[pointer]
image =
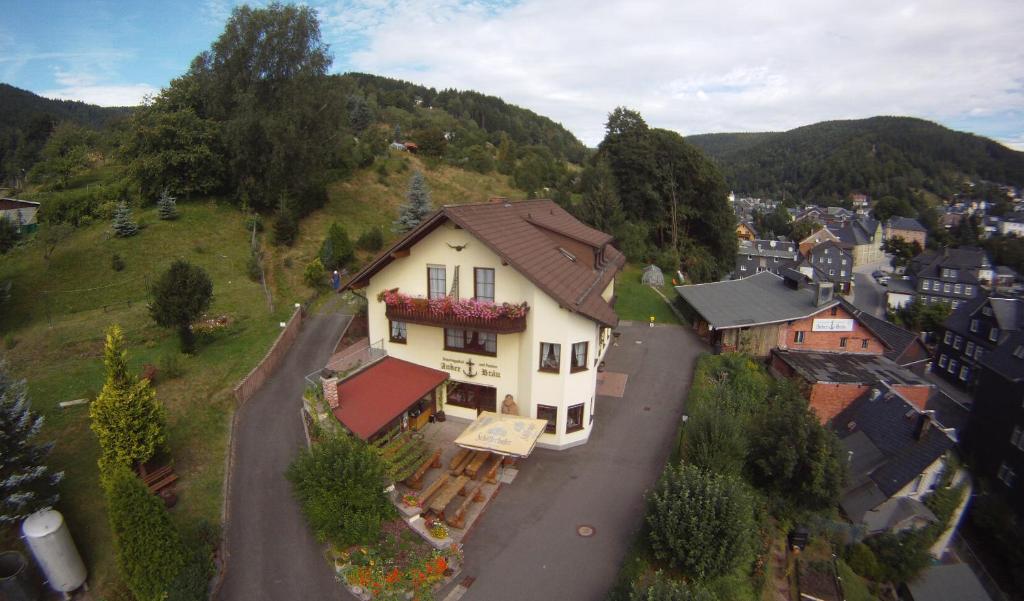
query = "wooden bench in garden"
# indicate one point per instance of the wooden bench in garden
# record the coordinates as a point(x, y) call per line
point(443, 498)
point(433, 488)
point(473, 495)
point(415, 481)
point(476, 463)
point(158, 479)
point(491, 476)
point(458, 458)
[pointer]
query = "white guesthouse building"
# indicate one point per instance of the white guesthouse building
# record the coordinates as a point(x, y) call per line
point(512, 299)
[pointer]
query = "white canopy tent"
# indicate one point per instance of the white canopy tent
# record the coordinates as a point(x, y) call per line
point(509, 435)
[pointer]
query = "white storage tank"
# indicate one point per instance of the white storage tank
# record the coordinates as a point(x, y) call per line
point(47, 536)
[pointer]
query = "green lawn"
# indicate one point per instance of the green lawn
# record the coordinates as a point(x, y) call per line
point(56, 320)
point(854, 587)
point(638, 302)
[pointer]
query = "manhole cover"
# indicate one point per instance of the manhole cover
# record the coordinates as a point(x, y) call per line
point(646, 408)
point(585, 531)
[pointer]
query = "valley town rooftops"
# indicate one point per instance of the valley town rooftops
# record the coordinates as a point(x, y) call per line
point(525, 234)
point(759, 299)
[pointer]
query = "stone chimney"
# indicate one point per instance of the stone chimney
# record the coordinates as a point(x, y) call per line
point(924, 423)
point(331, 392)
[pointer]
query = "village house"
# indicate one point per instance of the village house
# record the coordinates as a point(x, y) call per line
point(21, 213)
point(863, 237)
point(952, 275)
point(764, 311)
point(511, 302)
point(975, 329)
point(1012, 225)
point(896, 454)
point(815, 238)
point(994, 436)
point(909, 229)
point(745, 231)
point(830, 262)
point(755, 256)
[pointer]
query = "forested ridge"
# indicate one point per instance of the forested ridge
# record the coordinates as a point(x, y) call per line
point(880, 156)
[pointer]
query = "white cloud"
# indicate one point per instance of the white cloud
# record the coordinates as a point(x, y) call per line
point(730, 65)
point(87, 87)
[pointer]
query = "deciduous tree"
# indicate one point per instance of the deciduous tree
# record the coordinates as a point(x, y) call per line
point(180, 297)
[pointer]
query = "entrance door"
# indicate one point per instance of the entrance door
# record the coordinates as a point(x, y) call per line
point(473, 396)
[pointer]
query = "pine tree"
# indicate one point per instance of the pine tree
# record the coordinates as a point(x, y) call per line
point(417, 207)
point(26, 484)
point(124, 225)
point(126, 416)
point(167, 206)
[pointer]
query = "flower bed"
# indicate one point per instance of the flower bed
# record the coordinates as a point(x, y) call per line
point(399, 564)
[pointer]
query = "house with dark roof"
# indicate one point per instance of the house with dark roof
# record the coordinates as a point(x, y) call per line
point(830, 262)
point(903, 347)
point(895, 455)
point(512, 300)
point(764, 311)
point(755, 256)
point(21, 213)
point(909, 229)
point(815, 238)
point(973, 330)
point(994, 436)
point(945, 582)
point(863, 237)
point(952, 275)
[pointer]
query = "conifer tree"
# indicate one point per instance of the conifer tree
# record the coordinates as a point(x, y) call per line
point(417, 207)
point(398, 134)
point(167, 205)
point(26, 484)
point(126, 416)
point(124, 225)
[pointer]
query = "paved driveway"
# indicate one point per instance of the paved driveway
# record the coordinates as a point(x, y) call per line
point(271, 554)
point(868, 294)
point(525, 548)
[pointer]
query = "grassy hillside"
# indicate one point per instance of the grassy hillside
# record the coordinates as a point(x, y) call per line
point(878, 156)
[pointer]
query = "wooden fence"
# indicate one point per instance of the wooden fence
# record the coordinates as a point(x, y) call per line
point(263, 370)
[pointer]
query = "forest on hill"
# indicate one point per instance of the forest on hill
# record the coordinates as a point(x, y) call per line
point(880, 156)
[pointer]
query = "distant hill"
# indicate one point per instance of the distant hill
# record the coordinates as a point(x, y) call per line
point(18, 107)
point(490, 114)
point(26, 120)
point(877, 156)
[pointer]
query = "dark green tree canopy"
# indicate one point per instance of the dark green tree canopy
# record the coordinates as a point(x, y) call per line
point(180, 296)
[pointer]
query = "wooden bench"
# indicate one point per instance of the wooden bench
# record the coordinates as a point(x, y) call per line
point(473, 495)
point(443, 498)
point(458, 458)
point(158, 479)
point(415, 481)
point(476, 463)
point(433, 488)
point(462, 465)
point(491, 475)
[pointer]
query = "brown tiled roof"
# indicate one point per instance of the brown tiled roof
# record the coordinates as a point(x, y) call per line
point(7, 204)
point(517, 232)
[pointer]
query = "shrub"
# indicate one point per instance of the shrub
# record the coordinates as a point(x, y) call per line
point(180, 297)
point(336, 251)
point(117, 263)
point(254, 219)
point(126, 416)
point(659, 587)
point(150, 552)
point(315, 275)
point(700, 523)
point(371, 240)
point(340, 484)
point(901, 557)
point(715, 440)
point(862, 560)
point(286, 228)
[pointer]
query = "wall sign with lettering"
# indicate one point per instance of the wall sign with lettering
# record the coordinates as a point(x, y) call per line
point(832, 325)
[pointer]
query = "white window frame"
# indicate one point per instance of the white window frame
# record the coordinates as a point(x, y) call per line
point(948, 337)
point(957, 288)
point(958, 342)
point(964, 372)
point(969, 351)
point(943, 359)
point(952, 366)
point(974, 325)
point(993, 334)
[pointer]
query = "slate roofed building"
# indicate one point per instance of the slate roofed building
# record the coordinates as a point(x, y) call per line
point(896, 454)
point(755, 256)
point(903, 347)
point(863, 237)
point(952, 275)
point(973, 330)
point(909, 229)
point(994, 436)
point(815, 238)
point(832, 263)
point(513, 301)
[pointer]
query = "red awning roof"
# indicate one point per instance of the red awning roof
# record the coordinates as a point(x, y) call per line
point(372, 398)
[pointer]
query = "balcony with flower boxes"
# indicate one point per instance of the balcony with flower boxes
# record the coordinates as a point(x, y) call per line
point(447, 312)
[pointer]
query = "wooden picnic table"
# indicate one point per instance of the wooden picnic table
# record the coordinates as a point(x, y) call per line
point(476, 463)
point(445, 496)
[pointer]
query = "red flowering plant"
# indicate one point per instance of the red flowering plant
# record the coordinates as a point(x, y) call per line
point(467, 308)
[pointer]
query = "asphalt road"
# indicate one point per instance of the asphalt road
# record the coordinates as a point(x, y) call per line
point(526, 546)
point(270, 552)
point(869, 295)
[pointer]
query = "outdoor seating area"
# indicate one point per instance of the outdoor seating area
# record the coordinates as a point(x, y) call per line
point(451, 487)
